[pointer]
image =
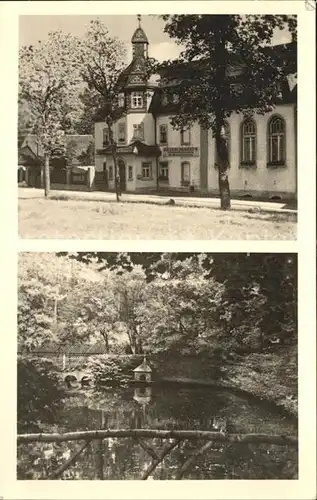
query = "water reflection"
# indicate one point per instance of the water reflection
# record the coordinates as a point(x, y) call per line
point(164, 407)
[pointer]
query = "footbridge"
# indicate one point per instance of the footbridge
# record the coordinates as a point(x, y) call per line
point(76, 378)
point(72, 365)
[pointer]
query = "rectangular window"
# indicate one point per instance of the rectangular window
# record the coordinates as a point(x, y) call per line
point(185, 173)
point(130, 173)
point(163, 171)
point(105, 137)
point(121, 132)
point(248, 153)
point(146, 170)
point(121, 100)
point(185, 137)
point(110, 177)
point(163, 134)
point(137, 100)
point(138, 131)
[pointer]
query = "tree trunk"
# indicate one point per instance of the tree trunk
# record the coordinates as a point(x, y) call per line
point(46, 175)
point(115, 163)
point(220, 57)
point(116, 172)
point(223, 164)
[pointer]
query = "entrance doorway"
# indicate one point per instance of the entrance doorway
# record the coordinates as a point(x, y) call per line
point(122, 174)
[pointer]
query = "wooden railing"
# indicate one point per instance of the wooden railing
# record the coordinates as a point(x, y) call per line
point(172, 437)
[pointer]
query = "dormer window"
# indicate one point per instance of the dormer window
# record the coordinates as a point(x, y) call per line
point(137, 100)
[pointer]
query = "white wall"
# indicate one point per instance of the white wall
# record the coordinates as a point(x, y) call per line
point(261, 179)
point(132, 118)
point(174, 162)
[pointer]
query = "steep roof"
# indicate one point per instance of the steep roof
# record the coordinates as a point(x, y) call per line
point(79, 142)
point(143, 367)
point(136, 147)
point(139, 36)
point(27, 157)
point(285, 54)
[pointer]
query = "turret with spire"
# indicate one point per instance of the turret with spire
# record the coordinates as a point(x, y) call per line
point(137, 69)
point(139, 41)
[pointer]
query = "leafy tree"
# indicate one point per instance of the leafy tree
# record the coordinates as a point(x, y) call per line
point(25, 121)
point(50, 311)
point(87, 157)
point(181, 303)
point(260, 298)
point(102, 63)
point(181, 311)
point(48, 82)
point(39, 393)
point(208, 89)
point(108, 371)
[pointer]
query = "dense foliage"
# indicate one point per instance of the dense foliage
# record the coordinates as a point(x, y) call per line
point(183, 303)
point(107, 371)
point(39, 393)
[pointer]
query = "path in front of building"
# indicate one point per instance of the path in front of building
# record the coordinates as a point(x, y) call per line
point(189, 201)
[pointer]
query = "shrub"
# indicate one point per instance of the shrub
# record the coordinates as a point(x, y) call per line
point(40, 394)
point(109, 371)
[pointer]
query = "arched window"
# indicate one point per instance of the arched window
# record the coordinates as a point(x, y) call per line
point(248, 142)
point(276, 140)
point(226, 134)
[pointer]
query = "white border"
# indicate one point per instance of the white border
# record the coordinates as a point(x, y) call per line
point(304, 488)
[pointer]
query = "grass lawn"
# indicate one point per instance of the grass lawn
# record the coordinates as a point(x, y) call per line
point(79, 219)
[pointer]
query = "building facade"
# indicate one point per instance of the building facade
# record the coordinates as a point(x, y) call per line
point(154, 156)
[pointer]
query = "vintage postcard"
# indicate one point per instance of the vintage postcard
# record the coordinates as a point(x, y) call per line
point(158, 218)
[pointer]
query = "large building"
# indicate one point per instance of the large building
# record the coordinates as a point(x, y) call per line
point(153, 156)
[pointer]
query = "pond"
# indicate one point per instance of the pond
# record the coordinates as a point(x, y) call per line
point(163, 407)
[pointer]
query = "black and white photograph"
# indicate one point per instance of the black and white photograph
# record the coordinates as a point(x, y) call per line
point(157, 366)
point(158, 127)
point(159, 250)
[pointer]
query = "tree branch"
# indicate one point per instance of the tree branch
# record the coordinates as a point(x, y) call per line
point(147, 448)
point(191, 459)
point(163, 434)
point(166, 449)
point(68, 462)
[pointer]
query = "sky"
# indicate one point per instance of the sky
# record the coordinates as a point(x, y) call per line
point(35, 28)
